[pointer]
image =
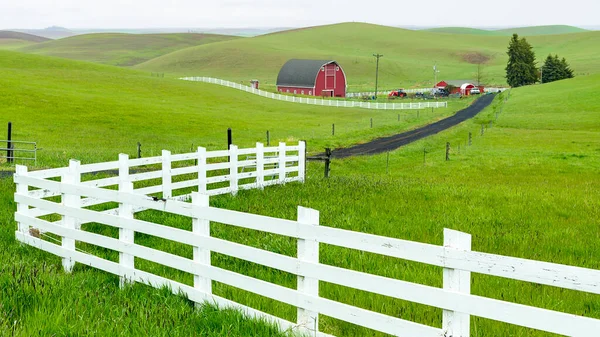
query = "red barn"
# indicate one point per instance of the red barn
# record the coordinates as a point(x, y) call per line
point(313, 78)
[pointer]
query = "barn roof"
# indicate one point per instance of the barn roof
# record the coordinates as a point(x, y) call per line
point(300, 73)
point(459, 83)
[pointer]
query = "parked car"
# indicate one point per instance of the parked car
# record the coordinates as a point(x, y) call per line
point(475, 91)
point(440, 92)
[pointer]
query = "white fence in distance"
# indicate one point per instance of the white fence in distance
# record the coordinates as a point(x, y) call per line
point(455, 257)
point(410, 91)
point(318, 101)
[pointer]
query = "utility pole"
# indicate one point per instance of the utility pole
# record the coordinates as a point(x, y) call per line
point(377, 72)
point(435, 72)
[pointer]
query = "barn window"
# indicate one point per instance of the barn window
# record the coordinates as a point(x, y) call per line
point(295, 92)
point(288, 90)
point(322, 68)
point(337, 68)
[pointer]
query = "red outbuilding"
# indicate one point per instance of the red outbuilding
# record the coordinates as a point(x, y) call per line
point(462, 87)
point(313, 78)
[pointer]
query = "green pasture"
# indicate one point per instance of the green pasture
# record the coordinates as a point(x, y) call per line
point(121, 49)
point(408, 59)
point(93, 112)
point(528, 187)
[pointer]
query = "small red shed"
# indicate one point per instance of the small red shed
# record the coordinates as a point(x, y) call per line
point(313, 78)
point(459, 86)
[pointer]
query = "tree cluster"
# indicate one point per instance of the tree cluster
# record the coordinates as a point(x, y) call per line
point(521, 68)
point(555, 69)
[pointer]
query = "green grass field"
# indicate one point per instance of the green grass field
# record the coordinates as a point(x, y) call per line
point(121, 49)
point(52, 101)
point(524, 31)
point(408, 59)
point(529, 187)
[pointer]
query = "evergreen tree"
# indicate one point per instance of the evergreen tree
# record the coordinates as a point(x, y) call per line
point(555, 69)
point(567, 71)
point(521, 69)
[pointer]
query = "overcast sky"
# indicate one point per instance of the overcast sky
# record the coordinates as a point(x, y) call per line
point(278, 13)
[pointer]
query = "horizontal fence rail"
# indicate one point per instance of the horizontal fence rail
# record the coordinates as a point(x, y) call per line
point(209, 172)
point(319, 101)
point(33, 190)
point(18, 150)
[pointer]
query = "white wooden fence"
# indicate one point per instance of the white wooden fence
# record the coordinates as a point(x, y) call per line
point(207, 171)
point(455, 257)
point(317, 101)
point(410, 91)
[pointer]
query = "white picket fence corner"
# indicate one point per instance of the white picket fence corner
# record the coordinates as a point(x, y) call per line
point(455, 256)
point(319, 101)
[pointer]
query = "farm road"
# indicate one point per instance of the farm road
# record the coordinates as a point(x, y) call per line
point(386, 144)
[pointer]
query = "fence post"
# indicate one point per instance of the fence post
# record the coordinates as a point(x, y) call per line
point(139, 150)
point(202, 188)
point(308, 251)
point(482, 129)
point(456, 324)
point(470, 139)
point(281, 153)
point(371, 123)
point(127, 236)
point(301, 160)
point(72, 176)
point(233, 169)
point(327, 161)
point(260, 165)
point(22, 189)
point(166, 174)
point(333, 129)
point(447, 151)
point(268, 138)
point(201, 255)
point(9, 153)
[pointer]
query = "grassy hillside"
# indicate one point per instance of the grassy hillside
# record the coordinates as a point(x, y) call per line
point(14, 40)
point(93, 112)
point(524, 31)
point(408, 55)
point(64, 105)
point(542, 30)
point(459, 30)
point(121, 49)
point(529, 187)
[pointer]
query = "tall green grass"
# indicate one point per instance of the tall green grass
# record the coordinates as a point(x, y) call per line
point(529, 187)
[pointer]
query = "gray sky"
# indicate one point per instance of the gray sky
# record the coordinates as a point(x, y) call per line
point(278, 13)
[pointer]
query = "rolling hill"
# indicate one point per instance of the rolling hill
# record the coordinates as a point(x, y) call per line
point(542, 30)
point(407, 62)
point(64, 104)
point(121, 49)
point(459, 30)
point(14, 40)
point(524, 31)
